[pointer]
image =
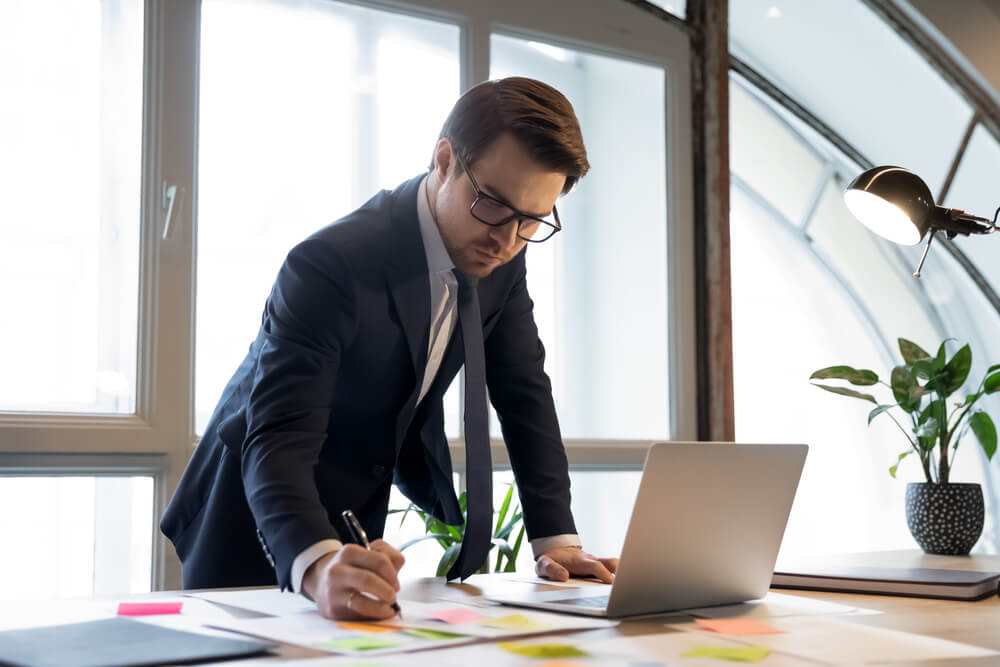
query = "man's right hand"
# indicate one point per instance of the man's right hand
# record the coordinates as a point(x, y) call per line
point(355, 583)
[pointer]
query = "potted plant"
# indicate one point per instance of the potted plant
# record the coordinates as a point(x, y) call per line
point(944, 517)
point(450, 537)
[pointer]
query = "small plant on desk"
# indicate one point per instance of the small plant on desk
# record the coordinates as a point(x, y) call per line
point(450, 537)
point(942, 515)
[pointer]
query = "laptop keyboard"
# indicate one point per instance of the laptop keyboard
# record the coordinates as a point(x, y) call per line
point(595, 602)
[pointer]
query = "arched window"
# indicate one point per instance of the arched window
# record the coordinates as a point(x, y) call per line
point(813, 288)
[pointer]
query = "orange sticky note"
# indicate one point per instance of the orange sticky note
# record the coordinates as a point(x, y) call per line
point(737, 626)
point(456, 616)
point(367, 627)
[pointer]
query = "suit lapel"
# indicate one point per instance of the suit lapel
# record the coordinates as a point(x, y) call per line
point(407, 281)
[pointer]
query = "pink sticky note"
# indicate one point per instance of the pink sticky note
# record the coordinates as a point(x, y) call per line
point(148, 608)
point(737, 626)
point(456, 616)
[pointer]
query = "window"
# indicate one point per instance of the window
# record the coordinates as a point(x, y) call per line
point(307, 110)
point(600, 287)
point(835, 292)
point(975, 190)
point(75, 536)
point(836, 58)
point(71, 131)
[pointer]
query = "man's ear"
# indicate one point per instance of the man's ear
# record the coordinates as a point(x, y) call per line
point(444, 159)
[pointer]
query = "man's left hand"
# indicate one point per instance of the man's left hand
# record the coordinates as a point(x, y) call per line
point(561, 563)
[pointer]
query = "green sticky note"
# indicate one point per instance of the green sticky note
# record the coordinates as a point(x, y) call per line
point(514, 622)
point(543, 650)
point(747, 654)
point(421, 633)
point(369, 643)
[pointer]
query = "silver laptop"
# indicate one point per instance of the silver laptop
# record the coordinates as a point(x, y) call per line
point(705, 530)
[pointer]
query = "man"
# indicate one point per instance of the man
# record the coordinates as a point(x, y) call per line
point(367, 324)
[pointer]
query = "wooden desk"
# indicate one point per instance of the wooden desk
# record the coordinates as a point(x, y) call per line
point(976, 623)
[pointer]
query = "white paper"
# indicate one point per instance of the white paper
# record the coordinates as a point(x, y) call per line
point(665, 649)
point(772, 605)
point(311, 629)
point(668, 648)
point(836, 641)
point(270, 601)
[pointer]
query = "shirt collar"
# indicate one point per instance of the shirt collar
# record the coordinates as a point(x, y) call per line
point(437, 255)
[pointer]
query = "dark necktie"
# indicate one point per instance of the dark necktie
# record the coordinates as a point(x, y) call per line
point(478, 467)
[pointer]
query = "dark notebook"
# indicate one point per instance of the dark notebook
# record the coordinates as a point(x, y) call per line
point(912, 582)
point(116, 642)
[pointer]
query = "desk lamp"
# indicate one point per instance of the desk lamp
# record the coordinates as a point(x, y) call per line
point(897, 205)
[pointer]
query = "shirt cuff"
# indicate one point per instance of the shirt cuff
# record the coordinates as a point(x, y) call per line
point(542, 544)
point(310, 556)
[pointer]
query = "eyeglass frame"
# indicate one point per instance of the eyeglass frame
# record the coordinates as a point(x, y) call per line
point(518, 215)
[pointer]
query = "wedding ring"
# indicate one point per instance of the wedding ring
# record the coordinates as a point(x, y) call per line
point(350, 599)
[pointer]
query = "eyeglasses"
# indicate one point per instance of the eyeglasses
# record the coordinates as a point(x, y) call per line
point(496, 213)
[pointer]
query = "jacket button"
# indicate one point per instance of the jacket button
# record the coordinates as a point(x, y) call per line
point(378, 470)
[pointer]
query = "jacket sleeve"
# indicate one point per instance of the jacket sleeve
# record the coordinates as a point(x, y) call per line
point(522, 395)
point(309, 320)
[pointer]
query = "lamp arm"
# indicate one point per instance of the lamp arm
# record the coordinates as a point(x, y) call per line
point(955, 221)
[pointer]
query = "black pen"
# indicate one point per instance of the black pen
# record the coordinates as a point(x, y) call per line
point(359, 536)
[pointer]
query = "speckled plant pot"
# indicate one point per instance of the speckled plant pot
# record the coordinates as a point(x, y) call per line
point(945, 518)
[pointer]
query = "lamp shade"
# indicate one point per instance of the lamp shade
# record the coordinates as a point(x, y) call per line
point(892, 202)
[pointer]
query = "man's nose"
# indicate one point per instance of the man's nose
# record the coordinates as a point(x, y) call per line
point(505, 235)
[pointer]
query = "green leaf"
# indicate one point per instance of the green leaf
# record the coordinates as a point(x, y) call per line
point(911, 351)
point(905, 389)
point(405, 512)
point(512, 563)
point(448, 559)
point(877, 411)
point(924, 368)
point(862, 378)
point(894, 468)
point(992, 383)
point(843, 391)
point(505, 532)
point(431, 536)
point(986, 433)
point(503, 509)
point(434, 525)
point(505, 550)
point(939, 359)
point(957, 371)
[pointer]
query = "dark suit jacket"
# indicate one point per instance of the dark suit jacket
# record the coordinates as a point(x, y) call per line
point(321, 415)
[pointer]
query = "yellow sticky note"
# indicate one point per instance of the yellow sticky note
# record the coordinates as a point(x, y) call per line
point(747, 654)
point(513, 622)
point(367, 627)
point(737, 626)
point(543, 650)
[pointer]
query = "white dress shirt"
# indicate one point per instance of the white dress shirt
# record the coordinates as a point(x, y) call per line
point(444, 315)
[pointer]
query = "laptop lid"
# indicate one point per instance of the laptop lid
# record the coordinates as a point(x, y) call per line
point(706, 525)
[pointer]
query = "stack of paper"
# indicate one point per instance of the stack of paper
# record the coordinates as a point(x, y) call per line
point(424, 625)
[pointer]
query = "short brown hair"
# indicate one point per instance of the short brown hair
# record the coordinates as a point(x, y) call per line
point(538, 115)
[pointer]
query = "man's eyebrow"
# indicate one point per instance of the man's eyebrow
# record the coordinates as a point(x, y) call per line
point(496, 194)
